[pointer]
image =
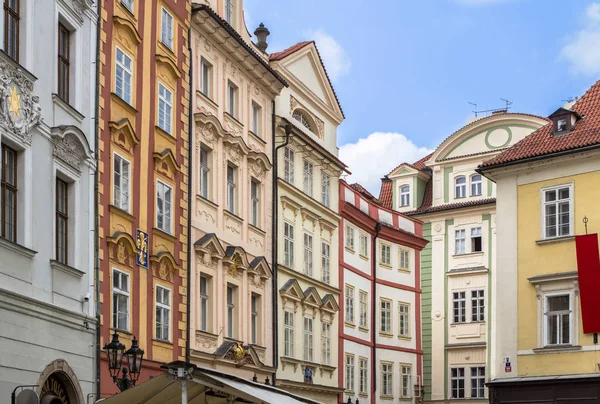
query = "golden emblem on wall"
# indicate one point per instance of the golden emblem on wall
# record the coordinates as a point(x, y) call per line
point(14, 101)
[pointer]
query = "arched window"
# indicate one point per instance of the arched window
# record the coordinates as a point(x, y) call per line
point(475, 185)
point(304, 119)
point(404, 196)
point(460, 187)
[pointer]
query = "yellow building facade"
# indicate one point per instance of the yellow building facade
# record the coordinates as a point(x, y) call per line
point(546, 186)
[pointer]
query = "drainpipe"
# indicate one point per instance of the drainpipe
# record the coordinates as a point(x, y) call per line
point(189, 204)
point(96, 199)
point(275, 210)
point(374, 314)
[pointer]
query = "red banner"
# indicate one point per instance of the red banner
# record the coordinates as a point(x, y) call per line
point(588, 269)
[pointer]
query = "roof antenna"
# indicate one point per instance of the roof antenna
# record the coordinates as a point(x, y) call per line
point(474, 106)
point(507, 102)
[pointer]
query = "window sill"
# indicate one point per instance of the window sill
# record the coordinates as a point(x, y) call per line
point(127, 10)
point(235, 120)
point(364, 257)
point(557, 349)
point(404, 271)
point(207, 99)
point(68, 108)
point(386, 266)
point(386, 397)
point(119, 331)
point(404, 337)
point(554, 240)
point(288, 360)
point(18, 248)
point(257, 229)
point(348, 324)
point(363, 329)
point(471, 254)
point(257, 137)
point(350, 250)
point(162, 342)
point(163, 131)
point(164, 234)
point(386, 335)
point(121, 212)
point(206, 200)
point(69, 270)
point(116, 98)
point(233, 216)
point(167, 48)
point(363, 394)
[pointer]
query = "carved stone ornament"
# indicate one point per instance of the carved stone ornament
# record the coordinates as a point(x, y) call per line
point(121, 252)
point(207, 260)
point(257, 169)
point(234, 153)
point(20, 109)
point(208, 134)
point(81, 6)
point(70, 150)
point(162, 270)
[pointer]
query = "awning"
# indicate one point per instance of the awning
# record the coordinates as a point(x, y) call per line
point(205, 386)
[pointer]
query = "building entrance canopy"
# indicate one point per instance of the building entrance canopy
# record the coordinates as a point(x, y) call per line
point(203, 386)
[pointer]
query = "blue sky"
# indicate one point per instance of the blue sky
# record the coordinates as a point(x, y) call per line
point(404, 71)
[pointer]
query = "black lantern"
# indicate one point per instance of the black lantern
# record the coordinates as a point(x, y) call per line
point(115, 352)
point(357, 402)
point(349, 400)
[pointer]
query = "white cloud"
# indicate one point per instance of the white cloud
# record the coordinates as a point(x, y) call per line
point(372, 157)
point(333, 54)
point(582, 50)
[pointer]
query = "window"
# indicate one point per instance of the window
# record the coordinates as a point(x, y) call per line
point(477, 305)
point(457, 382)
point(165, 108)
point(404, 196)
point(459, 304)
point(406, 381)
point(128, 4)
point(460, 242)
point(460, 187)
point(303, 119)
point(308, 178)
point(325, 262)
point(386, 254)
point(476, 240)
point(308, 339)
point(163, 206)
point(404, 260)
point(205, 155)
point(288, 334)
point(255, 119)
point(166, 29)
point(349, 372)
point(557, 313)
point(62, 220)
point(326, 343)
point(478, 382)
point(363, 387)
point(120, 300)
point(231, 194)
point(232, 92)
point(557, 211)
point(254, 307)
point(349, 291)
point(288, 165)
point(121, 183)
point(12, 17)
point(404, 320)
point(123, 76)
point(205, 77)
point(475, 185)
point(349, 237)
point(325, 188)
point(561, 125)
point(230, 312)
point(363, 245)
point(385, 314)
point(229, 11)
point(204, 303)
point(64, 45)
point(163, 313)
point(362, 309)
point(288, 245)
point(387, 379)
point(308, 254)
point(8, 194)
point(254, 202)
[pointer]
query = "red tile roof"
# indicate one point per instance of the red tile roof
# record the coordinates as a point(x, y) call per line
point(420, 164)
point(449, 206)
point(274, 57)
point(586, 133)
point(385, 193)
point(361, 190)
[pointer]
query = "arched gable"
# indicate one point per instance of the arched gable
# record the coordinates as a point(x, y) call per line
point(123, 134)
point(122, 248)
point(164, 265)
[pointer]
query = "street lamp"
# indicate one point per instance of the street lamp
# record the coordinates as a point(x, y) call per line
point(115, 352)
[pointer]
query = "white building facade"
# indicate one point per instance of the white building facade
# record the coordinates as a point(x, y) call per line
point(48, 103)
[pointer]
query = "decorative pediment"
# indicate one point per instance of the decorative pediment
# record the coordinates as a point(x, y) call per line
point(125, 27)
point(163, 266)
point(168, 64)
point(235, 148)
point(308, 215)
point(311, 297)
point(71, 146)
point(123, 134)
point(238, 353)
point(292, 290)
point(122, 248)
point(236, 260)
point(259, 164)
point(261, 271)
point(208, 133)
point(166, 163)
point(210, 245)
point(329, 304)
point(287, 203)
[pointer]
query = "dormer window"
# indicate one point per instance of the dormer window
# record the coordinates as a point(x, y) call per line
point(563, 121)
point(404, 196)
point(561, 125)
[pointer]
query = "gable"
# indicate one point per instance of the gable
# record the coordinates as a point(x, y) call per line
point(305, 70)
point(402, 170)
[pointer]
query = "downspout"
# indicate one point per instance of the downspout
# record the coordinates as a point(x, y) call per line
point(374, 314)
point(274, 249)
point(189, 202)
point(96, 200)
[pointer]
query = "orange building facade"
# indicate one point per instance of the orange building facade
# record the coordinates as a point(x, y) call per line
point(142, 195)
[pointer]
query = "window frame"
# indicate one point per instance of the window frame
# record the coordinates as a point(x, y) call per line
point(231, 189)
point(476, 184)
point(349, 237)
point(204, 303)
point(476, 232)
point(288, 333)
point(255, 191)
point(556, 202)
point(459, 307)
point(385, 257)
point(228, 11)
point(325, 188)
point(165, 100)
point(325, 343)
point(204, 180)
point(404, 196)
point(230, 307)
point(403, 259)
point(128, 4)
point(255, 119)
point(325, 262)
point(458, 243)
point(170, 42)
point(170, 203)
point(363, 244)
point(127, 76)
point(349, 373)
point(254, 318)
point(460, 189)
point(404, 318)
point(288, 165)
point(164, 308)
point(288, 244)
point(457, 379)
point(120, 291)
point(545, 319)
point(363, 375)
point(232, 99)
point(477, 305)
point(387, 386)
point(363, 309)
point(307, 248)
point(206, 83)
point(307, 177)
point(385, 328)
point(63, 60)
point(405, 380)
point(477, 381)
point(122, 162)
point(6, 187)
point(15, 15)
point(61, 216)
point(308, 338)
point(349, 312)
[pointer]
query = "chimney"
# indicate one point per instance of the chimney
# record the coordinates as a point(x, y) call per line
point(261, 34)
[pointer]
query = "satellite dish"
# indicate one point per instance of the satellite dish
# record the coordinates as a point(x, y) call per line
point(28, 397)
